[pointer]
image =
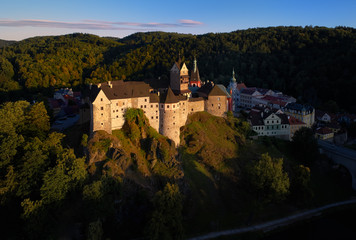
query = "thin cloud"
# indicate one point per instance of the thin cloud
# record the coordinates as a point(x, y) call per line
point(97, 24)
point(189, 22)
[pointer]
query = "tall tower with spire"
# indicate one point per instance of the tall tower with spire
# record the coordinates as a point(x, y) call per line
point(233, 91)
point(194, 76)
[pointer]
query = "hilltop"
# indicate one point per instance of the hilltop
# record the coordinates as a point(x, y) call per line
point(314, 64)
point(135, 183)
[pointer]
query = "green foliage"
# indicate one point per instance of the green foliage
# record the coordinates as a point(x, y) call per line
point(93, 191)
point(300, 187)
point(268, 180)
point(166, 221)
point(84, 141)
point(282, 58)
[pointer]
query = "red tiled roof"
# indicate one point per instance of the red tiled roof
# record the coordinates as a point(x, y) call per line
point(240, 86)
point(294, 121)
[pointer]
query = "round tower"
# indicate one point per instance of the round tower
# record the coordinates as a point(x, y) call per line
point(169, 117)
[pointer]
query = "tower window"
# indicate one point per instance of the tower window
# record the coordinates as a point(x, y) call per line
point(101, 99)
point(145, 99)
point(101, 108)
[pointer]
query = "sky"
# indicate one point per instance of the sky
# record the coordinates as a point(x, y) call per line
point(20, 19)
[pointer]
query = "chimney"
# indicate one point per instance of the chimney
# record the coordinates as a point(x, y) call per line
point(110, 84)
point(99, 85)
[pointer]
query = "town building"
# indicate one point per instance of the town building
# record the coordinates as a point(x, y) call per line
point(269, 122)
point(294, 125)
point(324, 133)
point(167, 109)
point(304, 113)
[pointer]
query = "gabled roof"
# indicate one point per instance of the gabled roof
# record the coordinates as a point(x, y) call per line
point(121, 90)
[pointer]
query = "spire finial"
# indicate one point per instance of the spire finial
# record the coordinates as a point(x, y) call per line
point(233, 75)
point(195, 64)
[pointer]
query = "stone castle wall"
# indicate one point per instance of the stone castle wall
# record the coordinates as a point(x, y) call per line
point(216, 105)
point(170, 122)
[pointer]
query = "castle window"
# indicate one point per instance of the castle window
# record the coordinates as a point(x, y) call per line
point(151, 106)
point(156, 117)
point(141, 106)
point(156, 105)
point(113, 110)
point(102, 124)
point(117, 116)
point(161, 105)
point(174, 123)
point(102, 114)
point(167, 106)
point(152, 117)
point(117, 104)
point(122, 109)
point(192, 109)
point(145, 106)
point(123, 103)
point(174, 106)
point(117, 110)
point(101, 108)
point(145, 99)
point(219, 107)
point(212, 105)
point(101, 99)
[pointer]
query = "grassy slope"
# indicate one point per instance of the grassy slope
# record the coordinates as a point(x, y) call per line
point(214, 155)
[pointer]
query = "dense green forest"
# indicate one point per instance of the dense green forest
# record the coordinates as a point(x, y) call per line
point(314, 64)
point(135, 183)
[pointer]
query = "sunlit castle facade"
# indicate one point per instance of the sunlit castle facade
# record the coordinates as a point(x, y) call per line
point(166, 109)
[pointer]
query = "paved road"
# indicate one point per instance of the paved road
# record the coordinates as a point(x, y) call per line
point(267, 226)
point(342, 151)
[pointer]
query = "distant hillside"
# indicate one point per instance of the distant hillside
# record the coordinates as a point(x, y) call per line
point(4, 43)
point(314, 64)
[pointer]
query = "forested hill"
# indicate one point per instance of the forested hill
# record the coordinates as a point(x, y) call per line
point(4, 43)
point(315, 64)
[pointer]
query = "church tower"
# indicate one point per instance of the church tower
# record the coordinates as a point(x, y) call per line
point(194, 76)
point(233, 91)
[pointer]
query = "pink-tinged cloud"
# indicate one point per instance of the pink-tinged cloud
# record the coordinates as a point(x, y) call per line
point(96, 24)
point(190, 22)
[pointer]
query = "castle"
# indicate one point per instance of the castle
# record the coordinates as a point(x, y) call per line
point(167, 109)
